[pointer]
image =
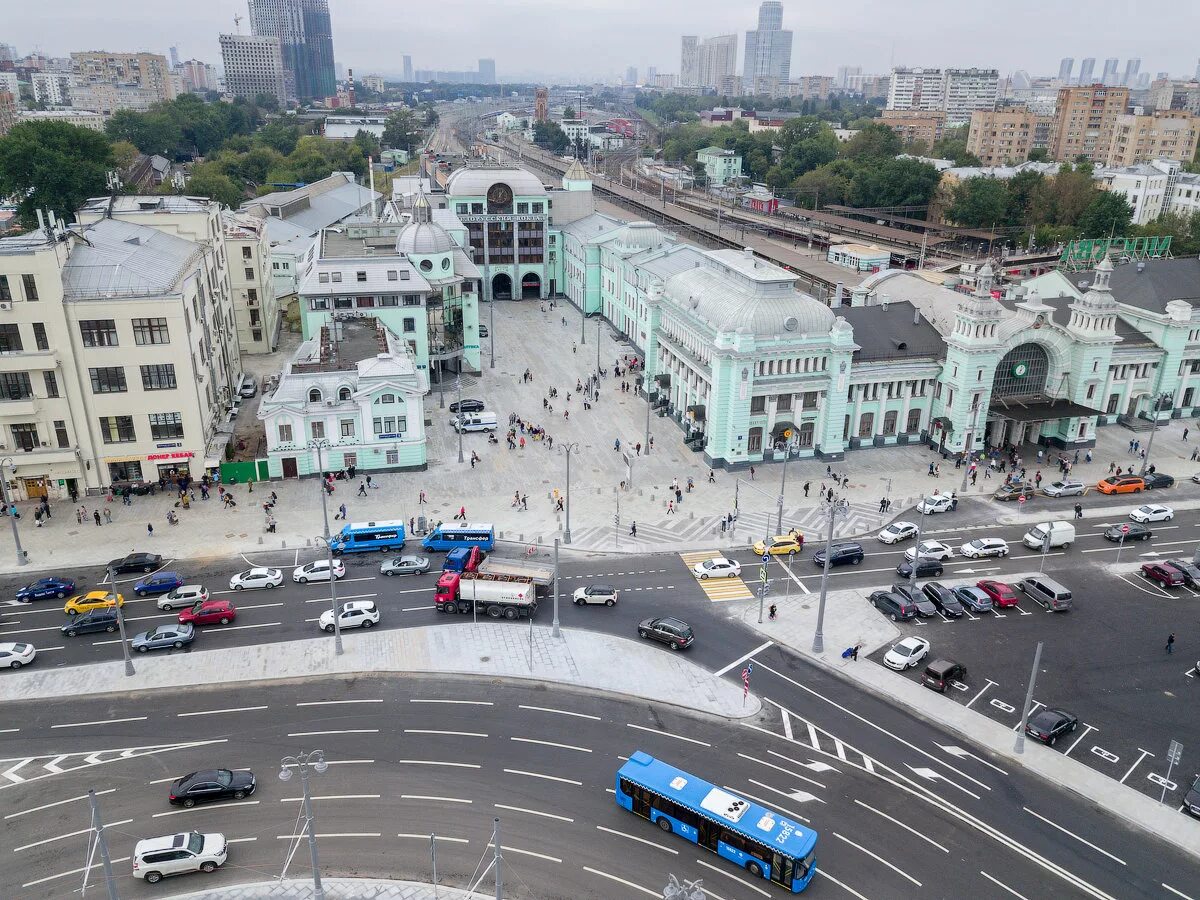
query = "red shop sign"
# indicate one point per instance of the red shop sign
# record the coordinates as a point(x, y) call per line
point(183, 454)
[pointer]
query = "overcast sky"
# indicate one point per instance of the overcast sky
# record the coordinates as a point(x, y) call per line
point(600, 38)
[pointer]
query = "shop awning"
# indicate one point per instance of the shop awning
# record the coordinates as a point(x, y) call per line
point(943, 423)
point(696, 412)
point(1040, 409)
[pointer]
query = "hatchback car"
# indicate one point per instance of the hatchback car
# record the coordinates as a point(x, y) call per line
point(1128, 532)
point(850, 554)
point(468, 405)
point(1156, 480)
point(91, 622)
point(925, 567)
point(404, 565)
point(164, 637)
point(1010, 492)
point(1191, 572)
point(46, 588)
point(595, 594)
point(943, 598)
point(1121, 484)
point(940, 673)
point(318, 571)
point(182, 596)
point(14, 654)
point(933, 549)
point(209, 612)
point(981, 547)
point(780, 545)
point(1152, 512)
point(82, 603)
point(136, 562)
point(211, 785)
point(1064, 489)
point(939, 503)
point(906, 654)
point(675, 633)
point(1164, 573)
point(354, 614)
point(925, 607)
point(176, 854)
point(717, 567)
point(256, 578)
point(973, 598)
point(158, 583)
point(896, 607)
point(1002, 593)
point(248, 388)
point(897, 532)
point(1048, 725)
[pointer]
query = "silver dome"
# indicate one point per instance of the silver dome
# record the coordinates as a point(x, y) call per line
point(424, 237)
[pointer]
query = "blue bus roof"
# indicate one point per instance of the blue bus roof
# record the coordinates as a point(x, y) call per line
point(382, 523)
point(736, 813)
point(480, 527)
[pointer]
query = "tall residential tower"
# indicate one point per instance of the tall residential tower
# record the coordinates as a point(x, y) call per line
point(769, 47)
point(306, 40)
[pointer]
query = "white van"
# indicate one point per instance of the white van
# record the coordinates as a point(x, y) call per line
point(479, 421)
point(1062, 534)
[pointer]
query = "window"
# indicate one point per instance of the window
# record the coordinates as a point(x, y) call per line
point(389, 424)
point(537, 207)
point(783, 403)
point(343, 303)
point(387, 398)
point(866, 425)
point(314, 395)
point(252, 295)
point(889, 422)
point(159, 377)
point(256, 334)
point(275, 266)
point(15, 386)
point(25, 435)
point(247, 253)
point(914, 421)
point(1091, 391)
point(758, 405)
point(389, 300)
point(323, 277)
point(5, 289)
point(117, 429)
point(164, 426)
point(285, 434)
point(318, 303)
point(150, 331)
point(522, 209)
point(60, 434)
point(30, 284)
point(337, 277)
point(393, 275)
point(360, 276)
point(460, 208)
point(347, 427)
point(51, 384)
point(39, 336)
point(410, 324)
point(98, 332)
point(754, 444)
point(343, 393)
point(393, 457)
point(318, 430)
point(108, 380)
point(10, 339)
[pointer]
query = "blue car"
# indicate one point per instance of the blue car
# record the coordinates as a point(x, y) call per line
point(158, 583)
point(45, 588)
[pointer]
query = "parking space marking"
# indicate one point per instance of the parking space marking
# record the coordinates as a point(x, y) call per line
point(1175, 892)
point(982, 691)
point(1086, 728)
point(1104, 754)
point(1033, 709)
point(1154, 593)
point(1086, 843)
point(1144, 753)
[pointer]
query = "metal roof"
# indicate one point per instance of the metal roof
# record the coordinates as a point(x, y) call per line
point(115, 258)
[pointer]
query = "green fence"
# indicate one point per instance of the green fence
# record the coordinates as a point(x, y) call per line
point(242, 472)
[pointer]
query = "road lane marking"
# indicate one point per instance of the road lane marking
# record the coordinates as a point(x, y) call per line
point(739, 880)
point(1175, 892)
point(341, 762)
point(638, 839)
point(504, 849)
point(1002, 885)
point(211, 712)
point(334, 702)
point(787, 724)
point(224, 806)
point(668, 734)
point(342, 599)
point(550, 744)
point(440, 837)
point(781, 769)
point(533, 812)
point(75, 872)
point(242, 627)
point(907, 828)
point(741, 659)
point(540, 775)
point(561, 712)
point(877, 858)
point(331, 797)
point(332, 834)
point(1074, 835)
point(844, 887)
point(436, 762)
point(460, 702)
point(439, 799)
point(636, 887)
point(1144, 753)
point(101, 722)
point(346, 731)
point(26, 812)
point(62, 837)
point(475, 734)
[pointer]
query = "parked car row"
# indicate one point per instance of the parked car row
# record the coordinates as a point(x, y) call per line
point(905, 601)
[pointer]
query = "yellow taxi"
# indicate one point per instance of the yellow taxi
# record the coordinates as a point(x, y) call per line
point(82, 603)
point(781, 545)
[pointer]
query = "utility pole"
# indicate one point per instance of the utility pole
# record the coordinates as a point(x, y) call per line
point(102, 844)
point(458, 386)
point(112, 580)
point(22, 558)
point(319, 446)
point(497, 859)
point(834, 511)
point(1019, 747)
point(1149, 444)
point(787, 452)
point(555, 632)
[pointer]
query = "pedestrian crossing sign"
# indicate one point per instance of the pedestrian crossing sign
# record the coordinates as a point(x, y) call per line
point(762, 574)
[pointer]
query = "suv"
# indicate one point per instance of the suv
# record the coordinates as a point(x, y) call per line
point(175, 854)
point(892, 605)
point(91, 622)
point(850, 554)
point(924, 565)
point(675, 633)
point(939, 673)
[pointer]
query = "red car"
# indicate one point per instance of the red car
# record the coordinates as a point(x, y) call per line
point(209, 612)
point(1001, 592)
point(1164, 573)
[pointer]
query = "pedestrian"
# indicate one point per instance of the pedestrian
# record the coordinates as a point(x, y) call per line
point(712, 477)
point(772, 612)
point(525, 501)
point(1195, 454)
point(79, 515)
point(341, 512)
point(1078, 511)
point(638, 448)
point(974, 475)
point(461, 514)
point(522, 442)
point(617, 444)
point(421, 498)
point(670, 509)
point(807, 485)
point(1088, 456)
point(651, 442)
point(362, 488)
point(1111, 467)
point(149, 530)
point(250, 485)
point(1171, 642)
point(369, 485)
point(1185, 434)
point(882, 505)
point(107, 516)
point(930, 469)
point(633, 529)
point(854, 652)
point(752, 473)
point(574, 349)
point(96, 515)
point(559, 506)
point(937, 471)
point(412, 525)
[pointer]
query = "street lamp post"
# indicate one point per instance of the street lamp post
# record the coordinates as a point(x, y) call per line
point(112, 580)
point(8, 461)
point(301, 762)
point(458, 387)
point(598, 347)
point(834, 511)
point(787, 452)
point(646, 387)
point(320, 446)
point(1019, 746)
point(568, 449)
point(1157, 402)
point(102, 845)
point(968, 439)
point(555, 632)
point(492, 331)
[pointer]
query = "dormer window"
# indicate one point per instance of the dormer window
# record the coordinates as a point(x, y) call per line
point(392, 275)
point(314, 395)
point(360, 276)
point(343, 393)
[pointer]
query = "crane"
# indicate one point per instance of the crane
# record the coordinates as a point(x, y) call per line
point(237, 23)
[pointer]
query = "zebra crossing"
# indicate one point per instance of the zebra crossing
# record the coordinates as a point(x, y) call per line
point(717, 590)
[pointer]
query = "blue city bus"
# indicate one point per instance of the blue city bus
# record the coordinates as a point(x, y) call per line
point(451, 537)
point(359, 537)
point(760, 840)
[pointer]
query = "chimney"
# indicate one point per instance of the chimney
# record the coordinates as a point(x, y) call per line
point(748, 252)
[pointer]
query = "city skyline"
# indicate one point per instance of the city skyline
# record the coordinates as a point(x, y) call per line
point(823, 41)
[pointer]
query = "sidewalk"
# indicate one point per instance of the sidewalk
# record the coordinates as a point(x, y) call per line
point(338, 889)
point(581, 659)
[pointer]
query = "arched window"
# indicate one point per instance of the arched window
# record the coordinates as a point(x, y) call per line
point(343, 393)
point(314, 395)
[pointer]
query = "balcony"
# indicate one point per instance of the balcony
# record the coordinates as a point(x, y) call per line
point(25, 360)
point(24, 409)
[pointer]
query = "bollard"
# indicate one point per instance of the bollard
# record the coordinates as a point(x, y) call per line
point(283, 545)
point(260, 540)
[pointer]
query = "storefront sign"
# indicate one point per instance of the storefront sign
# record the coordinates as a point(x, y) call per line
point(184, 454)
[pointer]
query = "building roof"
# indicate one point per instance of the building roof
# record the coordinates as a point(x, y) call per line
point(591, 227)
point(636, 237)
point(164, 203)
point(893, 332)
point(862, 250)
point(576, 172)
point(377, 277)
point(422, 235)
point(1153, 283)
point(1004, 173)
point(116, 258)
point(475, 182)
point(716, 151)
point(317, 205)
point(672, 260)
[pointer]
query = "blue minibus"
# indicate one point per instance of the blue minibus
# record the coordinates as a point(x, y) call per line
point(358, 537)
point(451, 537)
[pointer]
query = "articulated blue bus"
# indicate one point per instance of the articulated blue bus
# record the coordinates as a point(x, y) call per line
point(359, 537)
point(451, 537)
point(760, 840)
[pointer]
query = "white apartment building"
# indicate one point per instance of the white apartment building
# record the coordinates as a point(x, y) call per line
point(922, 89)
point(1147, 187)
point(968, 90)
point(253, 65)
point(82, 117)
point(9, 83)
point(718, 59)
point(117, 356)
point(254, 304)
point(51, 88)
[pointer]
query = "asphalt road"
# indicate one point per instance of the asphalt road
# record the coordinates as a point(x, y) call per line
point(415, 756)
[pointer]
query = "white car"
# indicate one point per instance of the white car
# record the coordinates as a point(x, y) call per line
point(897, 532)
point(937, 504)
point(16, 654)
point(595, 593)
point(1065, 489)
point(355, 614)
point(906, 654)
point(175, 854)
point(183, 596)
point(256, 578)
point(935, 549)
point(981, 547)
point(318, 571)
point(1152, 512)
point(717, 567)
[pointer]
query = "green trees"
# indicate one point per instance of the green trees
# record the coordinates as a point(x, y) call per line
point(184, 127)
point(979, 203)
point(208, 181)
point(52, 165)
point(893, 182)
point(1106, 214)
point(551, 136)
point(400, 131)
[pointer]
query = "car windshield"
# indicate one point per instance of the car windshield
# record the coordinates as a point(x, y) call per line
point(195, 842)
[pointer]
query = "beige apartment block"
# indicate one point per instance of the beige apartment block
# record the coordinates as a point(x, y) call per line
point(1084, 121)
point(255, 305)
point(1166, 134)
point(1006, 136)
point(913, 125)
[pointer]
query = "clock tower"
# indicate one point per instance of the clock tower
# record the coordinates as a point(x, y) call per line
point(973, 350)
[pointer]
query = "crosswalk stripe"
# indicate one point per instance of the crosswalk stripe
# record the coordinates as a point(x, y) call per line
point(717, 589)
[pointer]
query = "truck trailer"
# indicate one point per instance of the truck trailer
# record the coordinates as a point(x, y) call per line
point(455, 593)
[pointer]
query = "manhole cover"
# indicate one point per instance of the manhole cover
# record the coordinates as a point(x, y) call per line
point(485, 659)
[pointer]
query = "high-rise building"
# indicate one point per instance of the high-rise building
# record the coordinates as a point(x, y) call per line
point(1132, 67)
point(631, 75)
point(198, 76)
point(408, 69)
point(487, 71)
point(306, 41)
point(912, 125)
point(1196, 75)
point(107, 82)
point(968, 90)
point(769, 47)
point(920, 89)
point(1110, 71)
point(1085, 117)
point(174, 54)
point(844, 74)
point(651, 74)
point(8, 53)
point(689, 61)
point(716, 58)
point(253, 65)
point(1086, 69)
point(8, 112)
point(51, 88)
point(1064, 69)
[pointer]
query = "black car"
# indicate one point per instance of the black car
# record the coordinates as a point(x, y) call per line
point(939, 673)
point(1191, 800)
point(1158, 480)
point(973, 598)
point(1048, 725)
point(136, 562)
point(467, 406)
point(850, 554)
point(675, 633)
point(92, 621)
point(138, 488)
point(943, 598)
point(1191, 573)
point(925, 566)
point(925, 606)
point(209, 785)
point(892, 605)
point(1135, 532)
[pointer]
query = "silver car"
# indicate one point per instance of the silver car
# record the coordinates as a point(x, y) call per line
point(1064, 489)
point(404, 565)
point(164, 636)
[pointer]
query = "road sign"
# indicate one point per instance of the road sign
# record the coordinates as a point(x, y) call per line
point(787, 432)
point(766, 557)
point(762, 574)
point(1021, 499)
point(1175, 752)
